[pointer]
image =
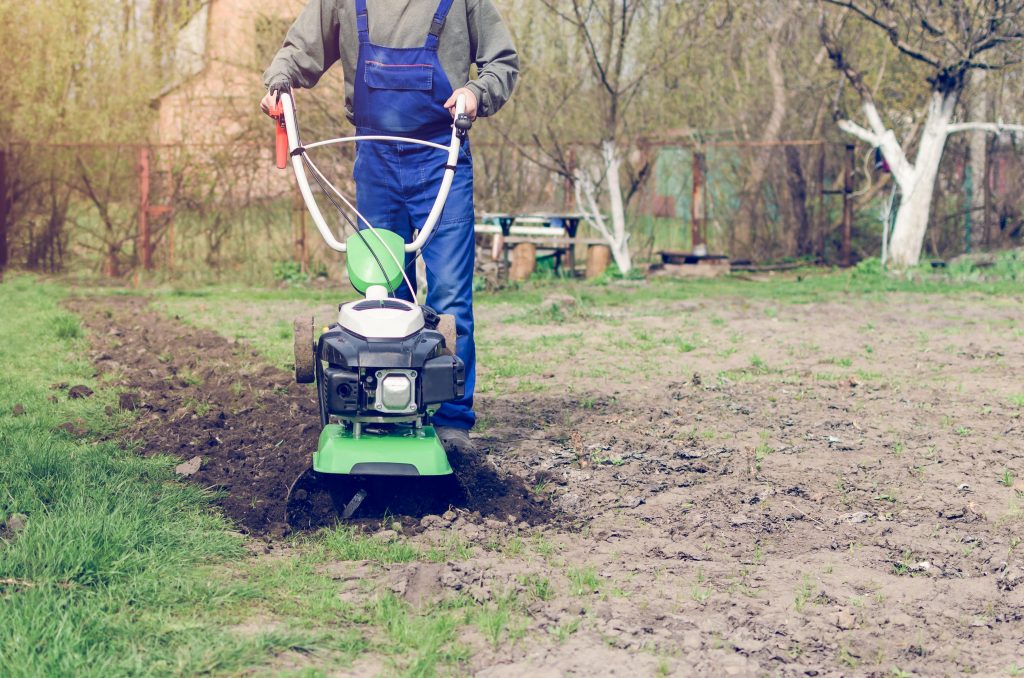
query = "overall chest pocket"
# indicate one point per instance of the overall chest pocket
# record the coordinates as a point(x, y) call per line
point(399, 76)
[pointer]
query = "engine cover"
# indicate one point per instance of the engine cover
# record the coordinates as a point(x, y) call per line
point(409, 376)
point(381, 318)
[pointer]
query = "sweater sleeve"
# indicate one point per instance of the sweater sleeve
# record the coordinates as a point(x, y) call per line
point(309, 49)
point(495, 57)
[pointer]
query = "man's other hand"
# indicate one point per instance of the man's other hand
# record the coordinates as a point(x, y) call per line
point(273, 95)
point(471, 103)
point(268, 101)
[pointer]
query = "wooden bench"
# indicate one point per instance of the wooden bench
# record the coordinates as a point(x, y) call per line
point(531, 235)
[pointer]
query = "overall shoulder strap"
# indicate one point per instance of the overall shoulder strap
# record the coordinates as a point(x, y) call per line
point(437, 25)
point(362, 21)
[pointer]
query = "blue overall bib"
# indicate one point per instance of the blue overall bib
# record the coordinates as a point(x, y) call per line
point(401, 92)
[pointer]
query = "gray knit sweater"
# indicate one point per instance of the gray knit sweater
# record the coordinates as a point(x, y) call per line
point(474, 33)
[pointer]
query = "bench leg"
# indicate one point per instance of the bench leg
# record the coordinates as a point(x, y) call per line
point(598, 258)
point(524, 262)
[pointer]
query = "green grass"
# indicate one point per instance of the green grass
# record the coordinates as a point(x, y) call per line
point(763, 450)
point(698, 592)
point(802, 286)
point(584, 581)
point(112, 573)
point(537, 586)
point(804, 593)
point(500, 619)
point(67, 326)
point(417, 643)
point(344, 543)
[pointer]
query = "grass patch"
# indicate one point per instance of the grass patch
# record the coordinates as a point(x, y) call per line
point(112, 574)
point(538, 586)
point(699, 592)
point(804, 594)
point(763, 450)
point(416, 644)
point(67, 326)
point(345, 543)
point(500, 619)
point(584, 581)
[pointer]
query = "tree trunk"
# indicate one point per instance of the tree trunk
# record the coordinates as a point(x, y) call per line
point(744, 235)
point(978, 152)
point(112, 264)
point(797, 185)
point(615, 234)
point(919, 186)
point(620, 242)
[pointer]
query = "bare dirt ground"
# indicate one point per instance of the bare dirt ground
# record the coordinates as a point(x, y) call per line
point(689, 488)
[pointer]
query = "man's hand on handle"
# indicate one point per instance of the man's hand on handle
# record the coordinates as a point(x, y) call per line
point(471, 103)
point(273, 95)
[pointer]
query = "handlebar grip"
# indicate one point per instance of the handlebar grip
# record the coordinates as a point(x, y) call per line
point(280, 135)
point(462, 121)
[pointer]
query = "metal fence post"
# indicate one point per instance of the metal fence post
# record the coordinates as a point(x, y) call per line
point(697, 203)
point(848, 170)
point(969, 199)
point(821, 223)
point(145, 251)
point(5, 210)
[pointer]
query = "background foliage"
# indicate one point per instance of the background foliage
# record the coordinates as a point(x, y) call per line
point(730, 79)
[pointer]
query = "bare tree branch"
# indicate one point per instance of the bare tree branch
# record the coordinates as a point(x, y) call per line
point(891, 30)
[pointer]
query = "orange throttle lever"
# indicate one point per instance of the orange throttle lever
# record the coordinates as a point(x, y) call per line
point(280, 134)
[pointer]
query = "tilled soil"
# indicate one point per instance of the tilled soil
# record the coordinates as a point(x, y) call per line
point(801, 490)
point(250, 428)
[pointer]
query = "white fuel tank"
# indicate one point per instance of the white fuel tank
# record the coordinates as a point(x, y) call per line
point(381, 318)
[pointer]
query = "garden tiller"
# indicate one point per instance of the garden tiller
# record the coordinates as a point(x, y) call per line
point(383, 366)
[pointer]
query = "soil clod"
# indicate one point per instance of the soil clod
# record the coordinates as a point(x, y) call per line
point(75, 429)
point(189, 468)
point(558, 303)
point(129, 401)
point(16, 523)
point(80, 392)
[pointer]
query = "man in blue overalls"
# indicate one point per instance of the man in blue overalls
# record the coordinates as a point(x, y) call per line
point(400, 82)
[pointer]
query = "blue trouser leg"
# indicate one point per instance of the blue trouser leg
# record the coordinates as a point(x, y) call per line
point(396, 185)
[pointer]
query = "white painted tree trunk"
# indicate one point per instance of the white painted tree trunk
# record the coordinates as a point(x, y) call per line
point(915, 207)
point(615, 233)
point(978, 150)
point(916, 181)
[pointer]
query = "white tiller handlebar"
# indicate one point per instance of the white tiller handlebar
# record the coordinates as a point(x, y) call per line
point(296, 151)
